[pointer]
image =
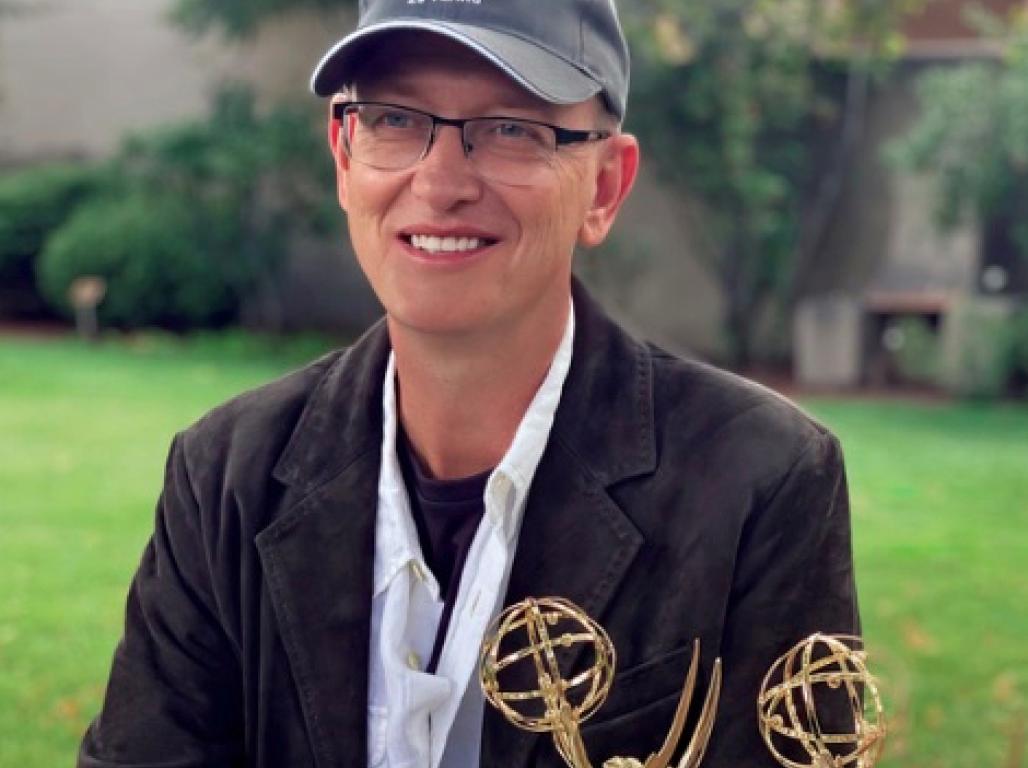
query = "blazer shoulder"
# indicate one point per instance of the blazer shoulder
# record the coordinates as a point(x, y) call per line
point(256, 424)
point(706, 408)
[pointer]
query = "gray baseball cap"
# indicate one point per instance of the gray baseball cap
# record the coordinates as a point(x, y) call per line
point(563, 51)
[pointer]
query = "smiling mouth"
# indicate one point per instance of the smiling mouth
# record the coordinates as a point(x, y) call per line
point(433, 244)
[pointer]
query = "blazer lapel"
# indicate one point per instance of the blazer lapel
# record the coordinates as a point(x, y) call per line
point(318, 556)
point(575, 541)
point(318, 566)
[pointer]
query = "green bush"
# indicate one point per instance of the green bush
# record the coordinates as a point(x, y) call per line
point(33, 203)
point(988, 349)
point(161, 266)
point(917, 358)
point(195, 216)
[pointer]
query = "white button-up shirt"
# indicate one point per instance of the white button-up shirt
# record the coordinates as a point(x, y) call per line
point(421, 720)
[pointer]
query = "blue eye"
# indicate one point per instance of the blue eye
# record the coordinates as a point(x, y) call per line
point(384, 118)
point(394, 120)
point(520, 132)
point(511, 130)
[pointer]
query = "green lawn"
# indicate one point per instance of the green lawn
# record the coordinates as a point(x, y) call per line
point(940, 515)
point(940, 496)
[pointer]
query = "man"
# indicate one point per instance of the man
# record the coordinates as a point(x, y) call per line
point(330, 549)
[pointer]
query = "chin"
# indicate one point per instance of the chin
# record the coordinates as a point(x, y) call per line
point(440, 319)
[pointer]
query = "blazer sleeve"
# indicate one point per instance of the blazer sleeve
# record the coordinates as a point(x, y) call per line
point(174, 694)
point(793, 577)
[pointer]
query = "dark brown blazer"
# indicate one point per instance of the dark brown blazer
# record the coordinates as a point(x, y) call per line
point(673, 501)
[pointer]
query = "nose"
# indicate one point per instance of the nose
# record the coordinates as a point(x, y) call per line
point(445, 177)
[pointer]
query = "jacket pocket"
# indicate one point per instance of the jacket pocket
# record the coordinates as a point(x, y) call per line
point(636, 734)
point(644, 684)
point(636, 718)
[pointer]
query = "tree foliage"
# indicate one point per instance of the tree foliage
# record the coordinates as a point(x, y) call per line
point(753, 108)
point(972, 135)
point(194, 216)
point(160, 268)
point(32, 204)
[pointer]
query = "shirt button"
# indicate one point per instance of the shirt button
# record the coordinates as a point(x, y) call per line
point(419, 572)
point(414, 661)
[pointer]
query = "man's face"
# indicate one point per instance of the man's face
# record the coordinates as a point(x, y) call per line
point(519, 272)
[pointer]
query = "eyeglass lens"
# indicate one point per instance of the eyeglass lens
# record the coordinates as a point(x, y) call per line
point(392, 138)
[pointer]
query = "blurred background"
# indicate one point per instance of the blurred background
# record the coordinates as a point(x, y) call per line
point(834, 200)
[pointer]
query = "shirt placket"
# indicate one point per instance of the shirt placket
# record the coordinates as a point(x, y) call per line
point(477, 601)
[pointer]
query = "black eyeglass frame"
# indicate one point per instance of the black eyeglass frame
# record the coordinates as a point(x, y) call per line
point(563, 136)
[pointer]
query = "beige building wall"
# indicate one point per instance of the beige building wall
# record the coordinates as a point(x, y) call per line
point(884, 234)
point(76, 75)
point(652, 274)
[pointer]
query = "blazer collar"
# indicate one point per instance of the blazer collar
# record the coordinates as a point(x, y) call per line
point(317, 556)
point(605, 416)
point(343, 416)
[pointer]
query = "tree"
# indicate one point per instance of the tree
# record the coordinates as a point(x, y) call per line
point(754, 108)
point(972, 135)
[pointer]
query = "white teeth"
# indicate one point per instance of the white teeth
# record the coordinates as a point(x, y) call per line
point(433, 244)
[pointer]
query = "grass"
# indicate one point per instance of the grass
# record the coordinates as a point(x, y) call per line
point(940, 499)
point(940, 505)
point(83, 436)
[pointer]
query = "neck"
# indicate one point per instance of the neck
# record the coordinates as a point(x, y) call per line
point(461, 398)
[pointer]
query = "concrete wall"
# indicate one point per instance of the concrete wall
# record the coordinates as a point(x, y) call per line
point(828, 333)
point(883, 233)
point(652, 272)
point(884, 250)
point(75, 75)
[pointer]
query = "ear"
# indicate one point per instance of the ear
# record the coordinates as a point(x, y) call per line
point(342, 162)
point(615, 176)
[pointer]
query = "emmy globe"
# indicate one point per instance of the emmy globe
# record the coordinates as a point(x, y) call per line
point(794, 698)
point(820, 677)
point(535, 629)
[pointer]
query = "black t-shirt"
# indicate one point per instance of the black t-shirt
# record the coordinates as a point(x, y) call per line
point(447, 514)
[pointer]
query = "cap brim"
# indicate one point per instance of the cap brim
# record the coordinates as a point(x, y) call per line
point(536, 69)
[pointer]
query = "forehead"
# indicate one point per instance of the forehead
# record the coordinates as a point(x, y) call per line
point(443, 75)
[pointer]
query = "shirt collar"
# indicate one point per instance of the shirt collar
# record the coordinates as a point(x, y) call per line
point(518, 465)
point(396, 537)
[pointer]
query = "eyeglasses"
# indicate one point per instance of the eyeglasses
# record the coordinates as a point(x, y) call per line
point(508, 150)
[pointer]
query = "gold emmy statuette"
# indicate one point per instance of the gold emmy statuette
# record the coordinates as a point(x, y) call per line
point(803, 681)
point(534, 629)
